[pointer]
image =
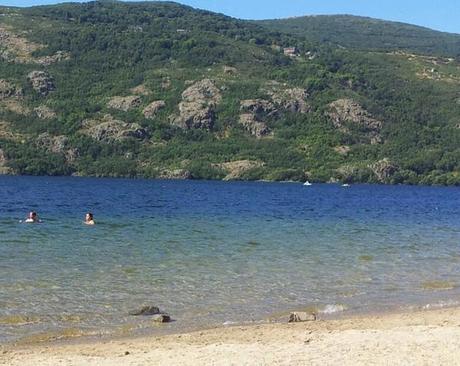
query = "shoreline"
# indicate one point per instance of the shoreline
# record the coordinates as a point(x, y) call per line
point(299, 182)
point(409, 337)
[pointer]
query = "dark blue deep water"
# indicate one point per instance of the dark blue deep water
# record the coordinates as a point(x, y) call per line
point(217, 252)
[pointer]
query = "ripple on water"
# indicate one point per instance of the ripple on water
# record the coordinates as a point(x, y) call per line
point(19, 319)
point(438, 285)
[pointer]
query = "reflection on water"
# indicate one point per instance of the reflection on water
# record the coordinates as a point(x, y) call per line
point(213, 252)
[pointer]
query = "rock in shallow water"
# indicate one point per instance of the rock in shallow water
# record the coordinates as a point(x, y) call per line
point(301, 316)
point(161, 318)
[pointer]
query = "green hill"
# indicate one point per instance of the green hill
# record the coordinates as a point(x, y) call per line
point(157, 89)
point(364, 33)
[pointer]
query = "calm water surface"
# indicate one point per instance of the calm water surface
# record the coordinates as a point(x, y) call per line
point(212, 252)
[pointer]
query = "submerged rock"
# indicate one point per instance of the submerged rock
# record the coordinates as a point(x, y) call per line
point(301, 316)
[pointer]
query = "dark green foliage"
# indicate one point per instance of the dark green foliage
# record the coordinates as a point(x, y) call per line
point(368, 34)
point(115, 46)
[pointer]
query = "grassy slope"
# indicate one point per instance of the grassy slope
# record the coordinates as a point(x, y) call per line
point(364, 33)
point(118, 46)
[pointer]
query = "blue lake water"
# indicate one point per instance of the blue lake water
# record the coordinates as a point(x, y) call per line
point(215, 252)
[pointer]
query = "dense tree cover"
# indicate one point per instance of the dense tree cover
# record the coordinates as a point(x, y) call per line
point(115, 46)
point(364, 33)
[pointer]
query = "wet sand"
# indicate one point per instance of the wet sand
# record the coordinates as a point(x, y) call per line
point(429, 337)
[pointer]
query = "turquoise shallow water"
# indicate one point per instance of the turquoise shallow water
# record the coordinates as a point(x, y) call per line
point(211, 252)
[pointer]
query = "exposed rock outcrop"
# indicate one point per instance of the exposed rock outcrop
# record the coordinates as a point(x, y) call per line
point(15, 48)
point(290, 99)
point(41, 82)
point(166, 83)
point(49, 60)
point(257, 106)
point(3, 168)
point(230, 70)
point(175, 174)
point(197, 109)
point(125, 103)
point(253, 126)
point(236, 169)
point(153, 108)
point(57, 145)
point(344, 111)
point(9, 90)
point(44, 112)
point(384, 169)
point(107, 128)
point(140, 90)
point(14, 105)
point(342, 150)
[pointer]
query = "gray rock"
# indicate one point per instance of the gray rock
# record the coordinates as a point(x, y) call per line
point(152, 109)
point(125, 103)
point(57, 57)
point(344, 111)
point(384, 169)
point(257, 106)
point(197, 108)
point(8, 90)
point(41, 82)
point(236, 169)
point(230, 70)
point(301, 316)
point(108, 129)
point(289, 99)
point(253, 126)
point(161, 318)
point(146, 310)
point(3, 168)
point(44, 112)
point(55, 144)
point(176, 174)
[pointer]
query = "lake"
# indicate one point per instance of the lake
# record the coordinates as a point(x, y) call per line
point(213, 253)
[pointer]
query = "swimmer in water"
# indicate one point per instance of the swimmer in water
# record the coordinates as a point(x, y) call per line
point(89, 219)
point(32, 218)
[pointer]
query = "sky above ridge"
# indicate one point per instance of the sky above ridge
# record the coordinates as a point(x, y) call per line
point(441, 15)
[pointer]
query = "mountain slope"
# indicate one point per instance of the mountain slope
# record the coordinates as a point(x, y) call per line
point(158, 89)
point(364, 33)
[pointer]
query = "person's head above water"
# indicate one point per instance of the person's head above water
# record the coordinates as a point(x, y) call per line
point(89, 219)
point(32, 217)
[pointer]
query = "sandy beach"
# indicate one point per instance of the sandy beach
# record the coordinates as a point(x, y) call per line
point(429, 337)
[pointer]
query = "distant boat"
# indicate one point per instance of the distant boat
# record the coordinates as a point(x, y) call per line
point(307, 183)
point(345, 185)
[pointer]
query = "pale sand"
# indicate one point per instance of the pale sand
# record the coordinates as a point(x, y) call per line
point(417, 338)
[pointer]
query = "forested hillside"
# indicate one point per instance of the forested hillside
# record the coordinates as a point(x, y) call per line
point(161, 90)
